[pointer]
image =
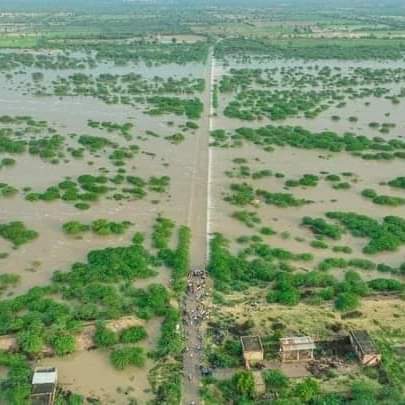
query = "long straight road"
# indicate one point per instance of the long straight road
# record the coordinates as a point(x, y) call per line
point(198, 221)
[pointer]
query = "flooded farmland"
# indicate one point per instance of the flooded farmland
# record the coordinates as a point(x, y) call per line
point(166, 194)
point(184, 202)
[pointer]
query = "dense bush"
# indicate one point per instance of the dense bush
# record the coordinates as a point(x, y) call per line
point(63, 343)
point(388, 235)
point(346, 301)
point(281, 199)
point(104, 337)
point(320, 227)
point(74, 228)
point(16, 387)
point(17, 233)
point(301, 138)
point(398, 182)
point(127, 356)
point(382, 199)
point(133, 334)
point(162, 232)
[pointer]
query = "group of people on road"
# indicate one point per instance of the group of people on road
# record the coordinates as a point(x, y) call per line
point(196, 293)
point(194, 312)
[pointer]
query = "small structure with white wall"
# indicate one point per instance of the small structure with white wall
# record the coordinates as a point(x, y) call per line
point(297, 348)
point(44, 382)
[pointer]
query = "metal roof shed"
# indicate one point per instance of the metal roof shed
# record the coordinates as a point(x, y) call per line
point(364, 347)
point(297, 348)
point(44, 381)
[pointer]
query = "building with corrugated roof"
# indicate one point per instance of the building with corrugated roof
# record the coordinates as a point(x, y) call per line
point(44, 381)
point(364, 347)
point(297, 348)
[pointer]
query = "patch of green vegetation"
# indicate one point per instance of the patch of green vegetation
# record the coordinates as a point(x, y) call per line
point(104, 337)
point(94, 143)
point(314, 49)
point(17, 233)
point(298, 137)
point(191, 108)
point(250, 219)
point(307, 180)
point(385, 236)
point(127, 356)
point(320, 227)
point(398, 182)
point(133, 334)
point(162, 232)
point(282, 200)
point(382, 199)
point(75, 228)
point(7, 191)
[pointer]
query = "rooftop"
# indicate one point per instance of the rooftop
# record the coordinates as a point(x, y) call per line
point(44, 376)
point(297, 343)
point(251, 343)
point(43, 389)
point(364, 341)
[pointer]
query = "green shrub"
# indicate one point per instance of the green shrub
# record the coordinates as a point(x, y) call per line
point(17, 233)
point(319, 244)
point(346, 301)
point(250, 219)
point(307, 389)
point(127, 356)
point(30, 341)
point(133, 334)
point(74, 228)
point(275, 381)
point(63, 343)
point(320, 227)
point(244, 384)
point(104, 337)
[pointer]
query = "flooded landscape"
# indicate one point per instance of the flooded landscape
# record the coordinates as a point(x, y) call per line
point(168, 193)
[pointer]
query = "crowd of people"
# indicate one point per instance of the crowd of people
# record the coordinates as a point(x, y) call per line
point(196, 293)
point(194, 312)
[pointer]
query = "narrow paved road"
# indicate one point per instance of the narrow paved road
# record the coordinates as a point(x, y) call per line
point(198, 221)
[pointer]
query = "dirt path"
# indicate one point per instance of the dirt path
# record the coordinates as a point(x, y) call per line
point(198, 221)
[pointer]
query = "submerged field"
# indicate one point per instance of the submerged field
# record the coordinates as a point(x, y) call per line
point(294, 212)
point(80, 177)
point(265, 149)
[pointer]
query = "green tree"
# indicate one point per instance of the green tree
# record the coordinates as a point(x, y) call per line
point(347, 301)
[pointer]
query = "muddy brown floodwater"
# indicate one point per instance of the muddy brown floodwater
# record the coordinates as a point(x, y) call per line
point(250, 304)
point(90, 373)
point(190, 165)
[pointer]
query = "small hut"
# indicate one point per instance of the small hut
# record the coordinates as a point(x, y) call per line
point(298, 348)
point(364, 347)
point(252, 349)
point(44, 383)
